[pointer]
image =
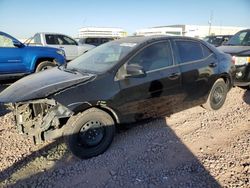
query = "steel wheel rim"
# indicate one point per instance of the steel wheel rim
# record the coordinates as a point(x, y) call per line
point(218, 95)
point(91, 133)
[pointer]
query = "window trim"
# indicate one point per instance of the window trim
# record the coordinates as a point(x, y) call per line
point(116, 78)
point(194, 61)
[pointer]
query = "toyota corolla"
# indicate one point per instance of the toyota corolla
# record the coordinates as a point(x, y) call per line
point(118, 83)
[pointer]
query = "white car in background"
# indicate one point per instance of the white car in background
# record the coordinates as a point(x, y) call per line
point(71, 48)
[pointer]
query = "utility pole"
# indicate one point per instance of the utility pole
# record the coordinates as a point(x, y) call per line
point(210, 22)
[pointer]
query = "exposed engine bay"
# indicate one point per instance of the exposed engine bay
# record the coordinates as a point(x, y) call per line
point(41, 119)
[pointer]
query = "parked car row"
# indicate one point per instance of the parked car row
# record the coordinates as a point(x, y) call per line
point(122, 82)
point(117, 83)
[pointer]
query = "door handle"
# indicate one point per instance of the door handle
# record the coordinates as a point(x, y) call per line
point(174, 76)
point(212, 64)
point(61, 47)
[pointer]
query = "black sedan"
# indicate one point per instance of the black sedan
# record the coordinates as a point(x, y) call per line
point(117, 83)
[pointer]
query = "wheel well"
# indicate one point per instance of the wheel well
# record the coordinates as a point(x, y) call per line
point(39, 60)
point(110, 111)
point(227, 80)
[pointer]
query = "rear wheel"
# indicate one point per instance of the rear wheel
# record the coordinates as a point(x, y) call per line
point(89, 133)
point(44, 65)
point(217, 95)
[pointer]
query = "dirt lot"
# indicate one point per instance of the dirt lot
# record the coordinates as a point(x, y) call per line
point(193, 148)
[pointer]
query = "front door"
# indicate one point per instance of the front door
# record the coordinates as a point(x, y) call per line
point(158, 91)
point(11, 57)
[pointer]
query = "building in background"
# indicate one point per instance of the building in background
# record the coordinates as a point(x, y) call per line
point(170, 31)
point(203, 31)
point(189, 30)
point(101, 32)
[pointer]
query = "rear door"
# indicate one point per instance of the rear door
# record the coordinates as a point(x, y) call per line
point(198, 66)
point(155, 94)
point(11, 57)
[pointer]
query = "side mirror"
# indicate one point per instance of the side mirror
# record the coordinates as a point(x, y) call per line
point(17, 43)
point(134, 70)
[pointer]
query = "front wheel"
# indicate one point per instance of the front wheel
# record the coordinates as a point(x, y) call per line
point(89, 133)
point(44, 65)
point(217, 95)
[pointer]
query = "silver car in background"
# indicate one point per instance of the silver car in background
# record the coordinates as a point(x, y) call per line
point(71, 47)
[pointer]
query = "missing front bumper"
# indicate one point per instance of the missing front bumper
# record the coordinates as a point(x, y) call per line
point(41, 119)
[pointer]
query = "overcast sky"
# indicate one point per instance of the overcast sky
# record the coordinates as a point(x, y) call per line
point(23, 18)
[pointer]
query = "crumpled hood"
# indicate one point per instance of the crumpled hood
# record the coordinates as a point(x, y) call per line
point(235, 50)
point(41, 85)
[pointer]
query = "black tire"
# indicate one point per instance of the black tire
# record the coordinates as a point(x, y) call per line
point(217, 95)
point(44, 65)
point(89, 133)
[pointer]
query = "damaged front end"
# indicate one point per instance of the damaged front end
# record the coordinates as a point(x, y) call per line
point(41, 119)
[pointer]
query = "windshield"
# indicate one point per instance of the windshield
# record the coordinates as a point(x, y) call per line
point(102, 58)
point(240, 39)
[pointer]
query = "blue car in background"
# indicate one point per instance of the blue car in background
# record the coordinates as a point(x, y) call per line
point(18, 60)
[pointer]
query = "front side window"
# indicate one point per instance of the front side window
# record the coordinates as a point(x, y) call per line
point(240, 39)
point(6, 41)
point(155, 56)
point(64, 40)
point(189, 51)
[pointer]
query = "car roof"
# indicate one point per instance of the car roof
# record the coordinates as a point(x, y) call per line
point(219, 35)
point(142, 39)
point(51, 33)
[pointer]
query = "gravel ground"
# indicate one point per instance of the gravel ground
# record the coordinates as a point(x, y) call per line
point(192, 148)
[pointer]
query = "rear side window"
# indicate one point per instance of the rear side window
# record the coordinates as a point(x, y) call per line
point(189, 51)
point(92, 41)
point(103, 40)
point(206, 51)
point(64, 40)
